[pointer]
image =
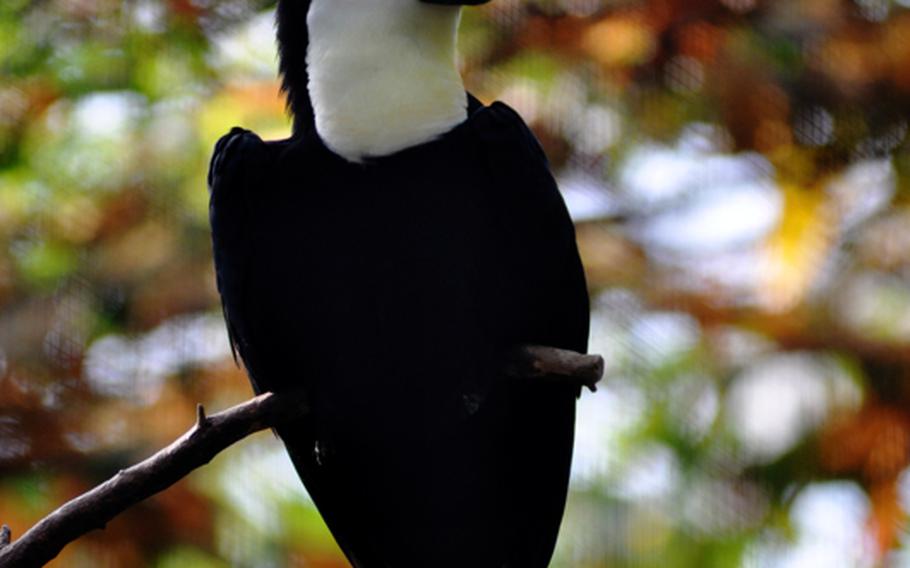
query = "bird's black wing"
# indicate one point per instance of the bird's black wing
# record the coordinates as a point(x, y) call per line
point(545, 254)
point(242, 185)
point(238, 165)
point(549, 306)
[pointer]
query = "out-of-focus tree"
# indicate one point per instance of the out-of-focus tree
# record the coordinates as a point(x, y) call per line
point(739, 173)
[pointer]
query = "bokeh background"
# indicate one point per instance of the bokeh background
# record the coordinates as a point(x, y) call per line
point(738, 171)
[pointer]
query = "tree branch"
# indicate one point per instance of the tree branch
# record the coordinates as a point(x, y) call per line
point(539, 362)
point(212, 434)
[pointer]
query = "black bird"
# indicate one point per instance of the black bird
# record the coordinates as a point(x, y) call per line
point(385, 257)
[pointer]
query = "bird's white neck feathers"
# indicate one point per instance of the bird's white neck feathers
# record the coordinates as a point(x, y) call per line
point(382, 74)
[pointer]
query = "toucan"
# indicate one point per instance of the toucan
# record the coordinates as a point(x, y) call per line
point(383, 259)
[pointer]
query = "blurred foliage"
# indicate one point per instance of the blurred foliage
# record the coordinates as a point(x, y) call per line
point(738, 170)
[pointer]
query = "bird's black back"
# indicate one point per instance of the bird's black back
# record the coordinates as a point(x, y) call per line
point(391, 290)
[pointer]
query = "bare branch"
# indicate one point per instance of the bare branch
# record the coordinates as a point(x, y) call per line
point(208, 437)
point(94, 509)
point(537, 361)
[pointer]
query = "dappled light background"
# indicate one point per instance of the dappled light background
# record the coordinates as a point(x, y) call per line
point(738, 172)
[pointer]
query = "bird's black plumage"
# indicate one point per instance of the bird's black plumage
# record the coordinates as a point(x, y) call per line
point(293, 38)
point(391, 290)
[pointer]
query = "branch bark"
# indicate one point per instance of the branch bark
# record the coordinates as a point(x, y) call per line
point(212, 434)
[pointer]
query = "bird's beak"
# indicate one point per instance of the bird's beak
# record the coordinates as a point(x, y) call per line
point(456, 2)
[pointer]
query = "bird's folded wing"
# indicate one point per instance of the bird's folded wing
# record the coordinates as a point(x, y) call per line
point(539, 217)
point(238, 165)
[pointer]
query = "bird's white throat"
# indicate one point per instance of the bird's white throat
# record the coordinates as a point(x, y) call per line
point(382, 74)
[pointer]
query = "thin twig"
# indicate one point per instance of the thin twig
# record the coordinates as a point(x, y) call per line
point(208, 437)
